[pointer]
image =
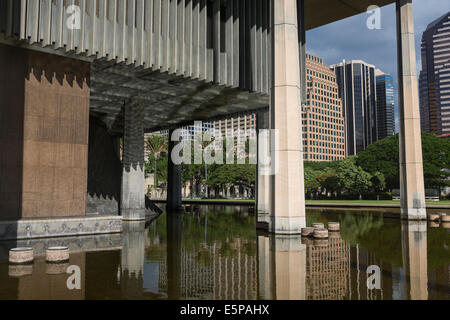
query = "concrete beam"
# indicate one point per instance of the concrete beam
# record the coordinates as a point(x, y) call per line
point(412, 190)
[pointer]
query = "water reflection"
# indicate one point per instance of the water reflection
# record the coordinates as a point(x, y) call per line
point(216, 253)
point(414, 249)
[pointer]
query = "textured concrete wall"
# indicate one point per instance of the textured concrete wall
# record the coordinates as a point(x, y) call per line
point(104, 171)
point(43, 134)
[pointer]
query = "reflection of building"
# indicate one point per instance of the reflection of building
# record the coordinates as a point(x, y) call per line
point(322, 118)
point(357, 89)
point(218, 272)
point(434, 79)
point(328, 270)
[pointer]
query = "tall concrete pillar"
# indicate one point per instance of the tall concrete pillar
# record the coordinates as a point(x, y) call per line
point(174, 202)
point(415, 262)
point(287, 196)
point(412, 190)
point(133, 175)
point(302, 47)
point(263, 186)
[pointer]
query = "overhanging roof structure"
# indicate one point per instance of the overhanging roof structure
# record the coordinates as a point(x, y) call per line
point(186, 60)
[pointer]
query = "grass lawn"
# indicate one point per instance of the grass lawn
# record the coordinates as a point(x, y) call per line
point(218, 200)
point(372, 202)
point(348, 202)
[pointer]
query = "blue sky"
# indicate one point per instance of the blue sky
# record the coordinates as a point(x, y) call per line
point(350, 39)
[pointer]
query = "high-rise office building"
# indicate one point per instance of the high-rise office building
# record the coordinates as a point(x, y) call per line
point(385, 105)
point(357, 89)
point(434, 79)
point(237, 125)
point(322, 117)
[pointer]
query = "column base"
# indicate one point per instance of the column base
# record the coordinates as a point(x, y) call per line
point(287, 225)
point(413, 213)
point(133, 214)
point(263, 210)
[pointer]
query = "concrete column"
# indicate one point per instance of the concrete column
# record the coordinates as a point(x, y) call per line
point(133, 175)
point(412, 190)
point(174, 202)
point(287, 197)
point(302, 47)
point(415, 261)
point(263, 181)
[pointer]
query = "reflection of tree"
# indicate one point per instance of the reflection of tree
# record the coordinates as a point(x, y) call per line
point(382, 238)
point(354, 227)
point(227, 251)
point(438, 244)
point(203, 258)
point(250, 248)
point(222, 227)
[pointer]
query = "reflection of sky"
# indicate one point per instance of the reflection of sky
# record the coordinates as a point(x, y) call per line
point(398, 283)
point(350, 38)
point(151, 277)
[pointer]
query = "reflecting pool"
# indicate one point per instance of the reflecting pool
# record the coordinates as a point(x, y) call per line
point(215, 252)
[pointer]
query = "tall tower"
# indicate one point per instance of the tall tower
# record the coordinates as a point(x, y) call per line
point(435, 77)
point(385, 105)
point(322, 117)
point(357, 89)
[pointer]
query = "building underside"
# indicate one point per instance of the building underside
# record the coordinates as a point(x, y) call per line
point(224, 71)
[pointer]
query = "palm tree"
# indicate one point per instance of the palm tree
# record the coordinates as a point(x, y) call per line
point(206, 144)
point(156, 144)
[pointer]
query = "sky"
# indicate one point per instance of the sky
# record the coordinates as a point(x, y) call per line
point(350, 39)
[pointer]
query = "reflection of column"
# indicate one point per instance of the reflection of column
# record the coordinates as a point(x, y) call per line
point(174, 234)
point(411, 168)
point(414, 250)
point(265, 269)
point(289, 261)
point(132, 264)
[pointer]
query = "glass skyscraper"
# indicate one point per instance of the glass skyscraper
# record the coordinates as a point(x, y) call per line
point(357, 89)
point(385, 105)
point(434, 81)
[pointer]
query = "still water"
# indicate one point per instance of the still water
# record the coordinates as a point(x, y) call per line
point(216, 253)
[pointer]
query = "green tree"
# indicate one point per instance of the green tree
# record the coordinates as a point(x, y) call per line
point(353, 178)
point(156, 145)
point(378, 183)
point(311, 182)
point(383, 157)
